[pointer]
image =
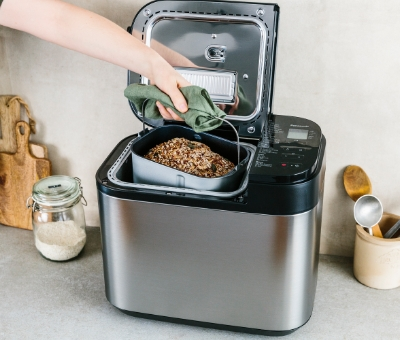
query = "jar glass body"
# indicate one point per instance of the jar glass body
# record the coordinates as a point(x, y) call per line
point(59, 232)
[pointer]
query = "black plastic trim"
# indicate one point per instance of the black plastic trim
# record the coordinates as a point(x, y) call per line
point(271, 199)
point(210, 324)
point(274, 60)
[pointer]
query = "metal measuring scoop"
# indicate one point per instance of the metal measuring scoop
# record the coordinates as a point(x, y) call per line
point(368, 211)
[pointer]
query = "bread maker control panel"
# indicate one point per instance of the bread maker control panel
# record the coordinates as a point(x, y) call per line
point(288, 151)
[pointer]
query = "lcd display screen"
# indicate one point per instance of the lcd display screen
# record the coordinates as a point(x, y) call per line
point(297, 134)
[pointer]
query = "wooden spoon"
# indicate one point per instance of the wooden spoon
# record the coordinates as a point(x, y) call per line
point(357, 184)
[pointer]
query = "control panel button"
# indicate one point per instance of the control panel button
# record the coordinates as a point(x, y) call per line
point(291, 165)
point(292, 156)
point(294, 148)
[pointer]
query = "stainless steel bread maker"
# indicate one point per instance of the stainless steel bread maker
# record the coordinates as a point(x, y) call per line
point(244, 259)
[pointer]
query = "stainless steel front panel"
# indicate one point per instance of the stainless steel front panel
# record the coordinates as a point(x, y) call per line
point(238, 269)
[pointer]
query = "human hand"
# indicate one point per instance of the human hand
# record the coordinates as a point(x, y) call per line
point(167, 113)
point(168, 80)
point(170, 85)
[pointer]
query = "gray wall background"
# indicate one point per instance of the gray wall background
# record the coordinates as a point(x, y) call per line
point(338, 64)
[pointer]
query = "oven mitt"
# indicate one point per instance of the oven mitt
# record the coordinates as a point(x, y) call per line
point(200, 116)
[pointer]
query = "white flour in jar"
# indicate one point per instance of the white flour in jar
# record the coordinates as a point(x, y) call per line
point(59, 241)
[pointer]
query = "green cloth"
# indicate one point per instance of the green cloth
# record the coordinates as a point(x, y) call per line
point(201, 114)
point(1, 2)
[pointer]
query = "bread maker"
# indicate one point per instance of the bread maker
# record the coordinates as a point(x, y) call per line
point(243, 258)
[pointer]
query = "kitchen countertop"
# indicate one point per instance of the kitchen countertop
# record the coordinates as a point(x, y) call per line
point(40, 299)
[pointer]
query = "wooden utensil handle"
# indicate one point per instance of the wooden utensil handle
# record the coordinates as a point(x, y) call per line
point(376, 231)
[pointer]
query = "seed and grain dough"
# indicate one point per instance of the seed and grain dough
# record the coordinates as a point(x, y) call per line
point(194, 158)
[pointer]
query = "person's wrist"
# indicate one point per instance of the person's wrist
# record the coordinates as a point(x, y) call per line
point(157, 66)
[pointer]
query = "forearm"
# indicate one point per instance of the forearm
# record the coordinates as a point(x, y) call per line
point(86, 32)
point(172, 57)
point(80, 30)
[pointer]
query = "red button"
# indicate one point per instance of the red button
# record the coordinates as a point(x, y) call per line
point(283, 164)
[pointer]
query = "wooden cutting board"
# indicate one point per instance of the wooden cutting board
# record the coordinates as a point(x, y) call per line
point(18, 173)
point(38, 150)
point(9, 116)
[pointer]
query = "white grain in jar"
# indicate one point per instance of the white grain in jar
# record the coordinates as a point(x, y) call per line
point(58, 217)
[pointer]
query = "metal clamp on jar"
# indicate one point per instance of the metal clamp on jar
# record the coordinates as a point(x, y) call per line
point(58, 217)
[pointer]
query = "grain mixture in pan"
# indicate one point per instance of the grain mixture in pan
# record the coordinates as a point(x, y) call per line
point(192, 157)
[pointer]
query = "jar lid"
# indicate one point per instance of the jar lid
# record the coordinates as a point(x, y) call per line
point(56, 191)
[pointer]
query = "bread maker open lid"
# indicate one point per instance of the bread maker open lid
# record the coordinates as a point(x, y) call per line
point(232, 36)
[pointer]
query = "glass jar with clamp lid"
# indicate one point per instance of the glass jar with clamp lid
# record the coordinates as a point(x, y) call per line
point(58, 219)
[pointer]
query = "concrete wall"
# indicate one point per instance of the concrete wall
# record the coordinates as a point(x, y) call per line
point(338, 64)
point(5, 81)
